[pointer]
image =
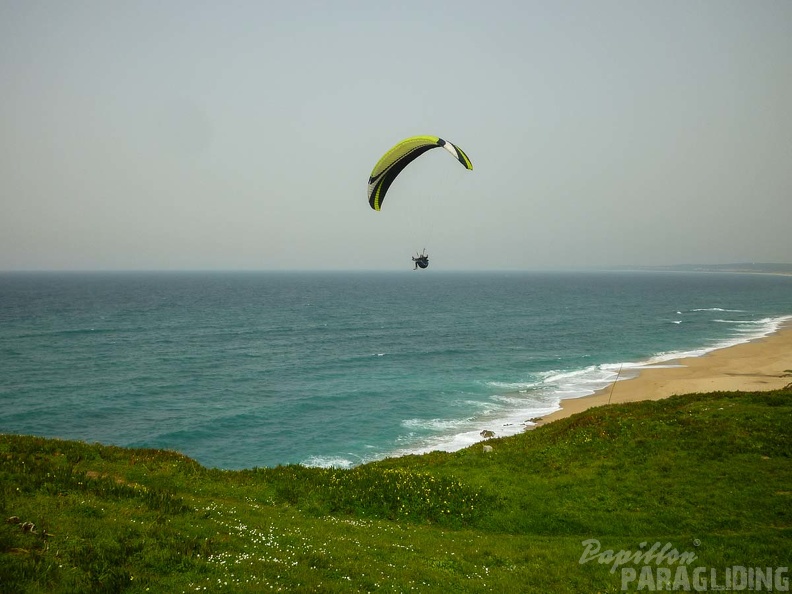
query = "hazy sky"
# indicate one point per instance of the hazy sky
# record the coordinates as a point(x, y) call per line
point(240, 135)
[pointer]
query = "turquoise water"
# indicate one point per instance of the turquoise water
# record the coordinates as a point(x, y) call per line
point(258, 369)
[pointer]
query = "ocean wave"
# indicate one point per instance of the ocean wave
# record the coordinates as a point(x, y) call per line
point(512, 386)
point(237, 371)
point(749, 322)
point(586, 380)
point(434, 424)
point(751, 330)
point(329, 462)
point(504, 423)
point(523, 401)
point(73, 332)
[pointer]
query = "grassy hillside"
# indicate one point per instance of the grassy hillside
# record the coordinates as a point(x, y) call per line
point(710, 474)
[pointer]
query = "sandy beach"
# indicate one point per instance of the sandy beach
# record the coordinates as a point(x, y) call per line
point(763, 364)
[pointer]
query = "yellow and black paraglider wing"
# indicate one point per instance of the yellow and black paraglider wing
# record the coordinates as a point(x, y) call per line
point(396, 159)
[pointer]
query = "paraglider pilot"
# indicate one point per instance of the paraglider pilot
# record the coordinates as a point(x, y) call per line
point(421, 260)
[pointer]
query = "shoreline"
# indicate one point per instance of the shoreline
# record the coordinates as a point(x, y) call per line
point(758, 365)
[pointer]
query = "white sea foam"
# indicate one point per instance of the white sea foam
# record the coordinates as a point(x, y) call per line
point(329, 462)
point(511, 386)
point(433, 424)
point(524, 401)
point(503, 423)
point(312, 380)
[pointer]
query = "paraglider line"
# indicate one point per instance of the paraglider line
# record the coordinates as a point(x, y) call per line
point(613, 387)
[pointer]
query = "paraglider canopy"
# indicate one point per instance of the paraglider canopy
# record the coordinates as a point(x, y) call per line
point(397, 158)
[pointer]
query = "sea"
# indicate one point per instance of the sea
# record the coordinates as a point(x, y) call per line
point(258, 369)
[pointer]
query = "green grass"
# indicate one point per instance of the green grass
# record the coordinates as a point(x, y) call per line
point(711, 474)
